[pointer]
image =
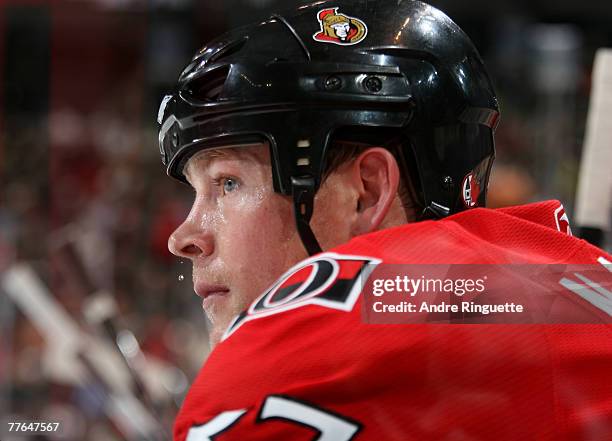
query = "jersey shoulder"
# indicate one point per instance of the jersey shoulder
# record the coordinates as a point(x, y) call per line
point(300, 361)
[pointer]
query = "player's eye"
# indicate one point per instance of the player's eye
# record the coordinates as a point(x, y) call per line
point(226, 184)
point(229, 184)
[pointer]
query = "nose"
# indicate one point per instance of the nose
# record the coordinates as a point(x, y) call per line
point(190, 240)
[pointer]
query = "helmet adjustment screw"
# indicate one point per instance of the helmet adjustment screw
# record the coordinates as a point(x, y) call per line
point(373, 84)
point(332, 83)
point(448, 183)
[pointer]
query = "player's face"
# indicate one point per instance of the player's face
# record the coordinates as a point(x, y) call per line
point(240, 235)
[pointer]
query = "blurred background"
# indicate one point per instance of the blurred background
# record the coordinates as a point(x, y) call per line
point(86, 208)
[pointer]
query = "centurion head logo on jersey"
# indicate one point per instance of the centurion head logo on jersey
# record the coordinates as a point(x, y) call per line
point(470, 190)
point(339, 28)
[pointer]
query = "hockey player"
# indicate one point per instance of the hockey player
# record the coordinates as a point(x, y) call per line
point(372, 142)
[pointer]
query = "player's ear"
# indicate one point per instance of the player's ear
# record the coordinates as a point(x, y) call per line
point(377, 178)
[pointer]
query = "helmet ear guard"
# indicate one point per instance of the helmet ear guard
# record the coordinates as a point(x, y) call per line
point(414, 75)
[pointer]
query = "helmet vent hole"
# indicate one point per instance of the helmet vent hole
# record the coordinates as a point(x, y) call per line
point(208, 86)
point(303, 161)
point(228, 50)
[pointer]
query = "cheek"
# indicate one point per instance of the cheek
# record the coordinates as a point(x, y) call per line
point(255, 217)
point(333, 214)
point(258, 240)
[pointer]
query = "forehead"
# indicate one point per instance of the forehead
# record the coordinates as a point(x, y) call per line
point(244, 153)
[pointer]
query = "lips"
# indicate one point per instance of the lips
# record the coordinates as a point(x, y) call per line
point(204, 290)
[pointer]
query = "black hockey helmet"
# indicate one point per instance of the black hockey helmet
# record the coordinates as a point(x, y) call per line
point(391, 67)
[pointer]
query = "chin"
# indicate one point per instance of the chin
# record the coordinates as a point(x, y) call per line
point(218, 326)
point(214, 336)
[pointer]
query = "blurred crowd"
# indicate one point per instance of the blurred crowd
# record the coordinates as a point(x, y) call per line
point(79, 165)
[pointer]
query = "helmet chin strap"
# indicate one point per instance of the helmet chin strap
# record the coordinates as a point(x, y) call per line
point(303, 191)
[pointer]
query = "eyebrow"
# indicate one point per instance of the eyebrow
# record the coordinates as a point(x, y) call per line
point(204, 155)
point(211, 155)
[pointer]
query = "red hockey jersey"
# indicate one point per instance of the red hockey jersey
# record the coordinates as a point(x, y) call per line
point(313, 370)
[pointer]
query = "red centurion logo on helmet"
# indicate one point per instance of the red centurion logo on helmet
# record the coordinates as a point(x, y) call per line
point(339, 28)
point(470, 190)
